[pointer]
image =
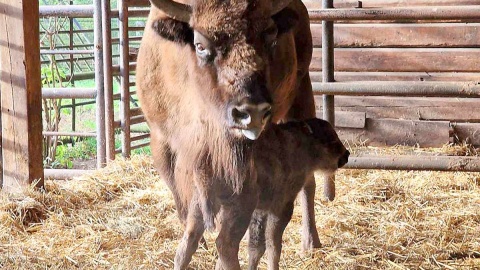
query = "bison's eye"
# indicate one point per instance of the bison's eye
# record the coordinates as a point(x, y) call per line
point(199, 47)
point(203, 47)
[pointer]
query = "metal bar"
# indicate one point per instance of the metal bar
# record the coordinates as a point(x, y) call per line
point(124, 77)
point(398, 13)
point(137, 119)
point(117, 124)
point(62, 174)
point(136, 28)
point(423, 163)
point(132, 13)
point(79, 104)
point(140, 145)
point(107, 59)
point(69, 93)
point(328, 71)
point(136, 112)
point(99, 84)
point(66, 51)
point(77, 11)
point(71, 134)
point(141, 137)
point(135, 38)
point(72, 63)
point(397, 88)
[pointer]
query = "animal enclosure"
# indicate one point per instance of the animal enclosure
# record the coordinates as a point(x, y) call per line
point(401, 75)
point(406, 76)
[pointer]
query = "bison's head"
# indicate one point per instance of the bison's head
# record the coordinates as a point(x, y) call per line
point(231, 45)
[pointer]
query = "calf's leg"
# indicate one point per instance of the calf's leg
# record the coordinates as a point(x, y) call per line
point(274, 233)
point(256, 241)
point(310, 239)
point(303, 108)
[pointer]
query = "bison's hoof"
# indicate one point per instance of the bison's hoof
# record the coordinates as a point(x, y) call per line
point(311, 242)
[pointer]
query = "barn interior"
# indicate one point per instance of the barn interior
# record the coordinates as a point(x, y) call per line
point(406, 86)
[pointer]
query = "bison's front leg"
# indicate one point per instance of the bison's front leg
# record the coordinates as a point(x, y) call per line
point(191, 236)
point(310, 239)
point(234, 217)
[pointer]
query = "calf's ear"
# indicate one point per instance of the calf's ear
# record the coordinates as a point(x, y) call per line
point(174, 30)
point(285, 20)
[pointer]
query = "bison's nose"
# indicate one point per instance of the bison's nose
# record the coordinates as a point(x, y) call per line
point(251, 117)
point(344, 159)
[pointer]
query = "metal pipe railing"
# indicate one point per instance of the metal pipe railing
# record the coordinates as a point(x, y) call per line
point(77, 11)
point(64, 173)
point(398, 88)
point(107, 58)
point(124, 67)
point(327, 75)
point(99, 85)
point(69, 93)
point(69, 134)
point(410, 13)
point(66, 52)
point(423, 163)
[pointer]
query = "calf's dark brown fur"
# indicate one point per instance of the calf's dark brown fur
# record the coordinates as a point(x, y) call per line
point(285, 156)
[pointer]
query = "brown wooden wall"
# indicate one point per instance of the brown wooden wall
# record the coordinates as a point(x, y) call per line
point(405, 51)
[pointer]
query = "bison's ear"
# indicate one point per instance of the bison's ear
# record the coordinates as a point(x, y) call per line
point(173, 30)
point(285, 20)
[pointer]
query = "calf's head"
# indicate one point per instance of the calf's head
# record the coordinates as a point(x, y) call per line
point(326, 150)
point(231, 45)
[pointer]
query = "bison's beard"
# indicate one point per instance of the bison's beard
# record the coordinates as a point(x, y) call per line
point(220, 163)
point(227, 160)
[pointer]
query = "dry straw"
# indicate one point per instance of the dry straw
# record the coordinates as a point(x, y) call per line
point(123, 217)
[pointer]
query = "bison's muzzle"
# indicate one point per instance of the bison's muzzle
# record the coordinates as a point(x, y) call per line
point(250, 117)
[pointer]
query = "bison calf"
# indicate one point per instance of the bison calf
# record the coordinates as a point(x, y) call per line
point(284, 157)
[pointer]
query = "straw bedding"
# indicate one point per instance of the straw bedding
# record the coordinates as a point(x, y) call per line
point(123, 217)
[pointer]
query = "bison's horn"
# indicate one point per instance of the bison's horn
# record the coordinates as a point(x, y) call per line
point(278, 5)
point(175, 10)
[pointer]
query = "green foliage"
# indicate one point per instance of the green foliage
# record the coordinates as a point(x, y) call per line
point(142, 151)
point(68, 153)
point(51, 78)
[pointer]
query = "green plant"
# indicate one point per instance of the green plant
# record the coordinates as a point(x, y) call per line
point(67, 153)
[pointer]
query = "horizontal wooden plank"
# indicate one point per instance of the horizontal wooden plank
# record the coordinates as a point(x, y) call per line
point(379, 101)
point(402, 60)
point(399, 76)
point(442, 109)
point(381, 132)
point(456, 114)
point(346, 119)
point(467, 132)
point(390, 3)
point(402, 35)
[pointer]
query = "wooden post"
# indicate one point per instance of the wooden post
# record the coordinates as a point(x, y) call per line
point(20, 84)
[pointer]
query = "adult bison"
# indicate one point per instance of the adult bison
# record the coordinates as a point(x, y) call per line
point(211, 74)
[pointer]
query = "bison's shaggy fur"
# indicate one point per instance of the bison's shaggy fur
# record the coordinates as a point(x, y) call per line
point(192, 77)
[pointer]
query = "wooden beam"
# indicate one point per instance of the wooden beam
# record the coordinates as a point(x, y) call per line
point(21, 94)
point(402, 60)
point(412, 108)
point(399, 76)
point(312, 4)
point(382, 132)
point(434, 35)
point(346, 119)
